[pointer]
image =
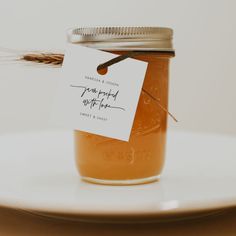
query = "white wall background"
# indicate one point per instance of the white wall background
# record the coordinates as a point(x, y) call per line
point(203, 74)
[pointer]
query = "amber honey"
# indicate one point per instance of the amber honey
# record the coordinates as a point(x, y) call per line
point(142, 158)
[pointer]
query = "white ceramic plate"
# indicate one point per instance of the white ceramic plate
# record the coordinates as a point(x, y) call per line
point(37, 174)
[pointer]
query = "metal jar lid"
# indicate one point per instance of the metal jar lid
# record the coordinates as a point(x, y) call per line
point(124, 38)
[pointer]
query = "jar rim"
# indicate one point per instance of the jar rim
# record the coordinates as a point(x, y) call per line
point(123, 38)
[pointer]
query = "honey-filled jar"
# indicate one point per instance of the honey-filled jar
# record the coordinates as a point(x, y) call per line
point(110, 161)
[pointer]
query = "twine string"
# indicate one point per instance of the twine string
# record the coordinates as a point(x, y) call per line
point(130, 54)
point(133, 54)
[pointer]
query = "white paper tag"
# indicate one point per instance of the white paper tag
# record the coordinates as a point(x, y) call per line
point(94, 103)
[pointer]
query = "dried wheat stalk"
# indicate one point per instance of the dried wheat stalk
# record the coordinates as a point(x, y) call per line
point(56, 59)
point(44, 58)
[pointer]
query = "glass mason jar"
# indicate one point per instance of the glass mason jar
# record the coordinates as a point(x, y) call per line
point(105, 160)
